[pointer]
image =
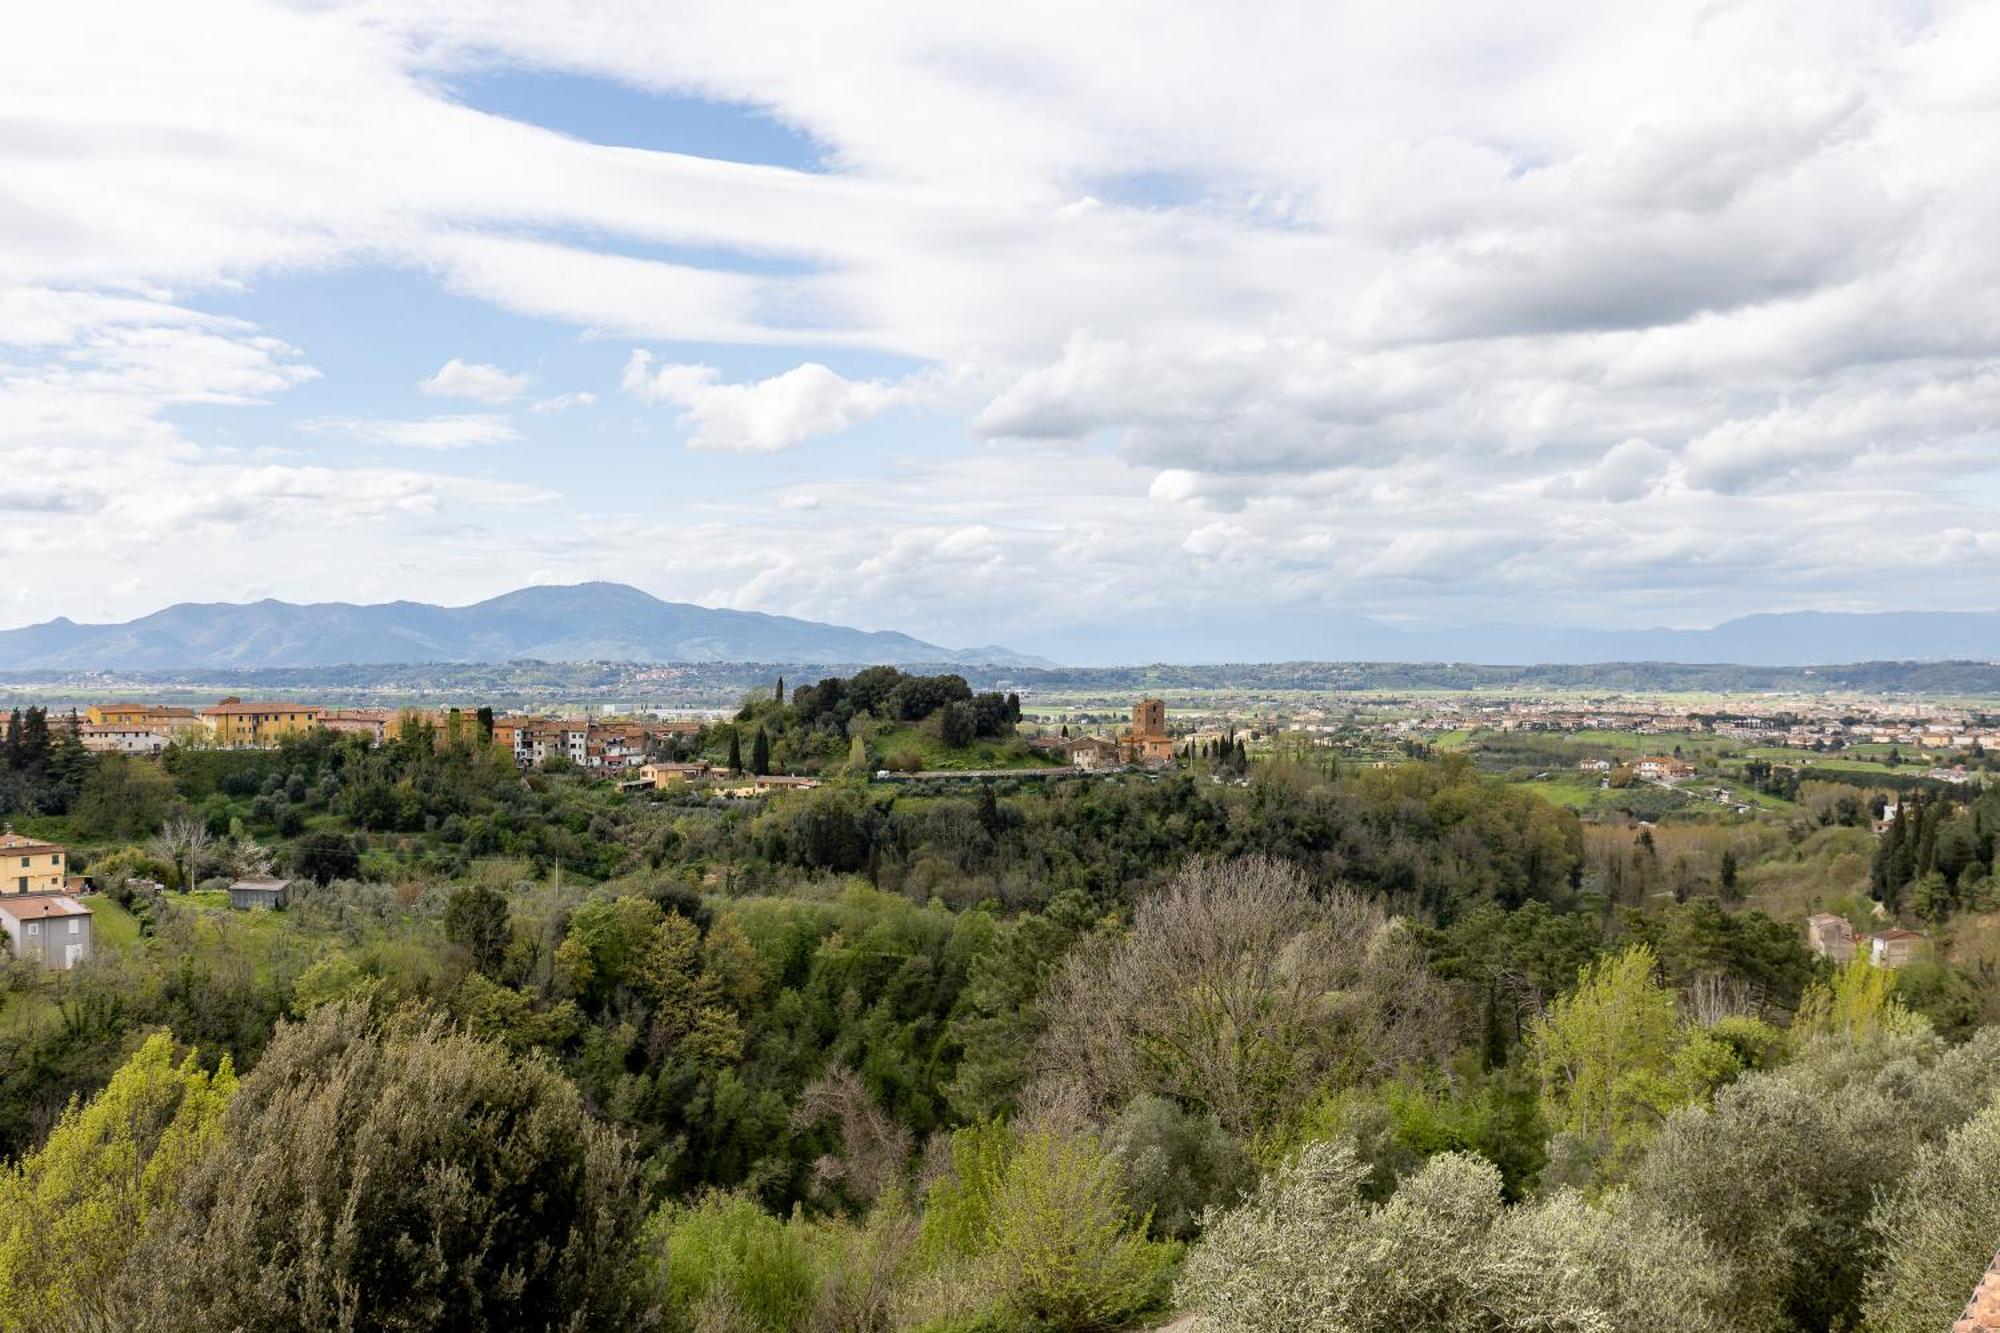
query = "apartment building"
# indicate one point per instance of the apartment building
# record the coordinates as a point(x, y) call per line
point(235, 725)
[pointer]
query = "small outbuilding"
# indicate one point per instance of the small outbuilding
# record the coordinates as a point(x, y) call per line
point(260, 891)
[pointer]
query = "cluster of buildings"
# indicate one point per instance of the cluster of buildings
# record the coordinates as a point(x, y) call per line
point(605, 746)
point(42, 917)
point(39, 912)
point(1653, 768)
point(1798, 725)
point(231, 724)
point(1145, 741)
point(1832, 938)
point(236, 724)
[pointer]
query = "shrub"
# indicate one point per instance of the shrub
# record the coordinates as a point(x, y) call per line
point(723, 1258)
point(70, 1212)
point(1307, 1253)
point(409, 1178)
point(1175, 1165)
point(1033, 1231)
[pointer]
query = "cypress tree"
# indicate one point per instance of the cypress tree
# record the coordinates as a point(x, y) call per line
point(735, 751)
point(35, 740)
point(779, 693)
point(760, 753)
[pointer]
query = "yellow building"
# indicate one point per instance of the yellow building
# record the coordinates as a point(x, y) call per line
point(162, 718)
point(235, 725)
point(29, 865)
point(663, 775)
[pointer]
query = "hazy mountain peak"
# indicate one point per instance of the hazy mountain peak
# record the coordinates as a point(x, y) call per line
point(578, 622)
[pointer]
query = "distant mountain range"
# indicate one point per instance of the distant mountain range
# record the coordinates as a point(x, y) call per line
point(599, 622)
point(1795, 638)
point(587, 622)
point(1784, 639)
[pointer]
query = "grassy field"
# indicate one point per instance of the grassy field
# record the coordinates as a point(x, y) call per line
point(111, 926)
point(1566, 792)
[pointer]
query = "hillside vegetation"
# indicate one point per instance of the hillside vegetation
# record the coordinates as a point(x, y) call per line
point(1407, 1047)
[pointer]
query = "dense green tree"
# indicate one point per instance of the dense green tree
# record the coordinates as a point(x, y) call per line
point(1781, 1175)
point(476, 921)
point(123, 798)
point(325, 856)
point(1605, 1052)
point(412, 1178)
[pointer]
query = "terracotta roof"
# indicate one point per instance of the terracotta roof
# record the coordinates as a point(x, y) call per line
point(40, 906)
point(14, 842)
point(1897, 934)
point(220, 710)
point(1982, 1312)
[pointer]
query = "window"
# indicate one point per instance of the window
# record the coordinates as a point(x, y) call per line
point(73, 925)
point(34, 927)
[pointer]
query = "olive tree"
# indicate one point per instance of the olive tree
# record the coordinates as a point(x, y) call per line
point(403, 1178)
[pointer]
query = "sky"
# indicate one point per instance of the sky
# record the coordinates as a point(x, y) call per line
point(1087, 330)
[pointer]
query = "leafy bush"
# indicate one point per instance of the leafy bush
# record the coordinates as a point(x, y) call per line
point(70, 1212)
point(1307, 1254)
point(723, 1258)
point(1174, 1165)
point(1032, 1231)
point(1938, 1231)
point(408, 1178)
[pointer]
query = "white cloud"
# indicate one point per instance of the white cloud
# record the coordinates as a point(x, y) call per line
point(445, 432)
point(561, 402)
point(1630, 470)
point(763, 417)
point(474, 379)
point(1390, 325)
